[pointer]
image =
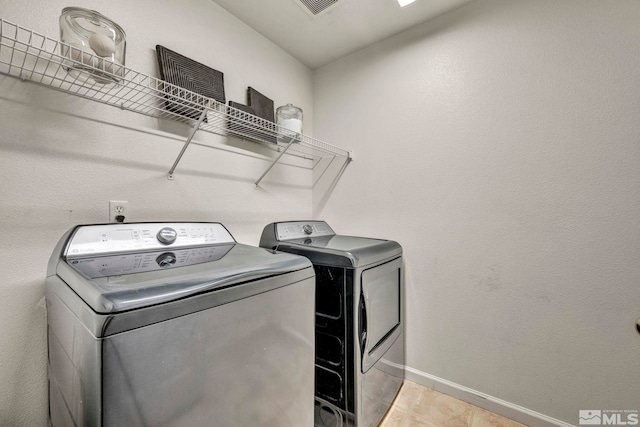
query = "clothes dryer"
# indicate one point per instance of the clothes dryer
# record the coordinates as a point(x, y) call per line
point(359, 319)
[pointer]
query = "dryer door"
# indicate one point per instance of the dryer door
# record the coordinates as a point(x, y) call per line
point(380, 311)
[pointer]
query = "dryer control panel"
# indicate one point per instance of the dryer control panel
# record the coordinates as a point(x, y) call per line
point(92, 240)
point(302, 229)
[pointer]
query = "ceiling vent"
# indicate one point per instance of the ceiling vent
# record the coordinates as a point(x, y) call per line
point(317, 7)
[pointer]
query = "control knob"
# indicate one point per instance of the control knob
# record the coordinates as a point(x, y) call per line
point(167, 235)
point(166, 259)
point(308, 229)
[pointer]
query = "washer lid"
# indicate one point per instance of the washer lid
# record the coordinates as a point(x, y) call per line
point(115, 282)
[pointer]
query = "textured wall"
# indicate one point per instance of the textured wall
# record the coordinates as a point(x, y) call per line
point(500, 144)
point(63, 158)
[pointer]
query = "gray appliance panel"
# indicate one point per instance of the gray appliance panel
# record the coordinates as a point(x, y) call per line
point(381, 296)
point(231, 363)
point(299, 229)
point(102, 239)
point(377, 377)
point(104, 325)
point(379, 363)
point(227, 336)
point(340, 243)
point(325, 247)
point(142, 262)
point(380, 385)
point(123, 292)
point(233, 356)
point(376, 266)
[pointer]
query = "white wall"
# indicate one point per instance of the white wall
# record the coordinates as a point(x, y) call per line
point(62, 158)
point(500, 145)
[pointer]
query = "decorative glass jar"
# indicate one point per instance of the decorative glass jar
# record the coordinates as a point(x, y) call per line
point(94, 44)
point(289, 120)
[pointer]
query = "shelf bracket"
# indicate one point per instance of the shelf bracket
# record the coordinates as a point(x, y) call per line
point(293, 139)
point(188, 141)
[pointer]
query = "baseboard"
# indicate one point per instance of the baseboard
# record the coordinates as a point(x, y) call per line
point(485, 401)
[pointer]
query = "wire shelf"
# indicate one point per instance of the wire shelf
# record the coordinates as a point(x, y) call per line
point(31, 56)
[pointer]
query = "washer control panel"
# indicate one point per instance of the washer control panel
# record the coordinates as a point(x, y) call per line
point(91, 240)
point(141, 262)
point(302, 229)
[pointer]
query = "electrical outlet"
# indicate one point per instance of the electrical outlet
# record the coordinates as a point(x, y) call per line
point(118, 211)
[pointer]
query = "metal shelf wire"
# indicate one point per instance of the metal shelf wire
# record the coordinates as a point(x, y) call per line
point(28, 55)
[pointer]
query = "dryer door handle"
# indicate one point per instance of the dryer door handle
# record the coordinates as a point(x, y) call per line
point(362, 324)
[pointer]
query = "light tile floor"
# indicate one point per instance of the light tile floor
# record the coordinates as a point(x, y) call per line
point(417, 406)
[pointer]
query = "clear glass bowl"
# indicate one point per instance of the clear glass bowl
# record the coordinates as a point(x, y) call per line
point(289, 120)
point(95, 45)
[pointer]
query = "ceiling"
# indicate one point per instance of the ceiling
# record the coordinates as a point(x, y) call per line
point(344, 28)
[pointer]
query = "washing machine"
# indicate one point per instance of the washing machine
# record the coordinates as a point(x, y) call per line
point(177, 324)
point(359, 319)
